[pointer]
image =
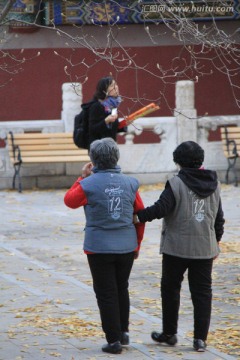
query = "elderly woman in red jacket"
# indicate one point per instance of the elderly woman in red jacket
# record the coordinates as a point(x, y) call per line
point(111, 240)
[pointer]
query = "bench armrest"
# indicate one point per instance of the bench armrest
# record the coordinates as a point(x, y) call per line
point(16, 150)
point(232, 149)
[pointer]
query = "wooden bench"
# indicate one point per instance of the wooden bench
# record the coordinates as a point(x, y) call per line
point(230, 136)
point(31, 148)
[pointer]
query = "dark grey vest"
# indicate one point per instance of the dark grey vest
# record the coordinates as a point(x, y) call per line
point(188, 232)
point(109, 212)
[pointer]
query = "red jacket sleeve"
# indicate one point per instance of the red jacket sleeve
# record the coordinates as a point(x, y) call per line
point(138, 205)
point(75, 196)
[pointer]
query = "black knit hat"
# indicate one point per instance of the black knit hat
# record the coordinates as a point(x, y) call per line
point(189, 154)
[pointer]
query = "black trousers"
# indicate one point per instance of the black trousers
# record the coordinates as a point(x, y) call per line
point(200, 285)
point(110, 273)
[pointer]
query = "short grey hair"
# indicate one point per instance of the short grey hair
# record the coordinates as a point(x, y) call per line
point(104, 153)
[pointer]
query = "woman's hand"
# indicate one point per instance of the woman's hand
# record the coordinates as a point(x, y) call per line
point(111, 118)
point(136, 255)
point(87, 169)
point(135, 219)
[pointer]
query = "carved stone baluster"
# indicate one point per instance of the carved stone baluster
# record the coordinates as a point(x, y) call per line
point(71, 103)
point(185, 112)
point(158, 130)
point(132, 132)
point(202, 136)
point(129, 138)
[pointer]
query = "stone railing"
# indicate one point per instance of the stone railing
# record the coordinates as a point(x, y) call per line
point(213, 122)
point(164, 127)
point(149, 158)
point(45, 126)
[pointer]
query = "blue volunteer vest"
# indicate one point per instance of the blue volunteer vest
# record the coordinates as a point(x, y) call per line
point(109, 212)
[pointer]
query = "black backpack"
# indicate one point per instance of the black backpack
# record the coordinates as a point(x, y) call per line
point(81, 130)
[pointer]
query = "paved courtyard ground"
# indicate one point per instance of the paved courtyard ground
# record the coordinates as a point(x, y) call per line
point(48, 309)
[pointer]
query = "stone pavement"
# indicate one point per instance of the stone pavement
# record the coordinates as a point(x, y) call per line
point(48, 309)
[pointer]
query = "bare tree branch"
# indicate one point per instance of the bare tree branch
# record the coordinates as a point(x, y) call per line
point(204, 47)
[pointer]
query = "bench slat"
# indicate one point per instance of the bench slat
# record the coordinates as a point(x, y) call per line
point(54, 159)
point(41, 135)
point(231, 129)
point(229, 155)
point(43, 141)
point(231, 136)
point(230, 145)
point(52, 147)
point(37, 153)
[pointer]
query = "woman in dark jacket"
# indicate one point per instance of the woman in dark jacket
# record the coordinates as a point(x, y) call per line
point(193, 225)
point(103, 115)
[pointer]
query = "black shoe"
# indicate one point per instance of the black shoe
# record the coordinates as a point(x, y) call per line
point(199, 345)
point(125, 338)
point(114, 348)
point(163, 338)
